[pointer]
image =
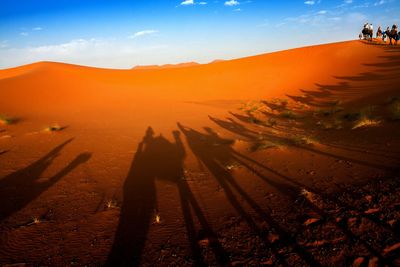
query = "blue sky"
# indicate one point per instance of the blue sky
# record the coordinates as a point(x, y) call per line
point(122, 33)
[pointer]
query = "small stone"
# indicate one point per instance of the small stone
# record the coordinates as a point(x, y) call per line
point(368, 198)
point(311, 221)
point(358, 262)
point(372, 211)
point(391, 249)
point(273, 238)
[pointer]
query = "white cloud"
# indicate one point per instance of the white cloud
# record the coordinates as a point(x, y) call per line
point(322, 12)
point(37, 29)
point(187, 2)
point(238, 10)
point(203, 3)
point(309, 3)
point(231, 3)
point(142, 33)
point(23, 33)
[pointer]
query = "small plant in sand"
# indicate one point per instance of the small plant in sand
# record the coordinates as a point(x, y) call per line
point(111, 204)
point(250, 109)
point(263, 145)
point(34, 220)
point(6, 120)
point(307, 194)
point(302, 140)
point(54, 128)
point(157, 219)
point(232, 166)
point(366, 122)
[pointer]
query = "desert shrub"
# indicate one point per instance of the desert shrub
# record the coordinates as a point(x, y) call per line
point(263, 145)
point(302, 140)
point(366, 122)
point(54, 128)
point(6, 120)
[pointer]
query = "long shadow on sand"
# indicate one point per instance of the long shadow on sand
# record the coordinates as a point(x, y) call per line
point(156, 158)
point(387, 69)
point(21, 187)
point(216, 153)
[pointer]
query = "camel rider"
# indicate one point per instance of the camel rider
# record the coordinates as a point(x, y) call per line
point(366, 25)
point(371, 27)
point(379, 32)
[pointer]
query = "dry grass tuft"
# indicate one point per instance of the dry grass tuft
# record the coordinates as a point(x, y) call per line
point(263, 145)
point(111, 204)
point(54, 128)
point(366, 122)
point(303, 140)
point(6, 120)
point(157, 219)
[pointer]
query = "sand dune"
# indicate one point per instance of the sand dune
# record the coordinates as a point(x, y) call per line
point(134, 143)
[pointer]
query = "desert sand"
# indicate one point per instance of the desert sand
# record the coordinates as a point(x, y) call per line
point(283, 159)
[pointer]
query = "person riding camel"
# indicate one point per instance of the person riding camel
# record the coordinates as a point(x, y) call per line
point(385, 34)
point(379, 32)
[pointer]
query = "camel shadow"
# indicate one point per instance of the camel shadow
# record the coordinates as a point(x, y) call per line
point(216, 153)
point(157, 158)
point(21, 187)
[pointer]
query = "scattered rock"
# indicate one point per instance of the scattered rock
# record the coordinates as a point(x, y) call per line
point(372, 211)
point(317, 243)
point(368, 198)
point(311, 221)
point(358, 262)
point(273, 238)
point(390, 249)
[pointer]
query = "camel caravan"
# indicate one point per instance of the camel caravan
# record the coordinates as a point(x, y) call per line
point(367, 33)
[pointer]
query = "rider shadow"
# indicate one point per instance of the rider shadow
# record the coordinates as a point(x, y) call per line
point(216, 154)
point(156, 158)
point(21, 187)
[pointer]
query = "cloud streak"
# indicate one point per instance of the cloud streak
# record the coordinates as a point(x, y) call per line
point(231, 3)
point(142, 33)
